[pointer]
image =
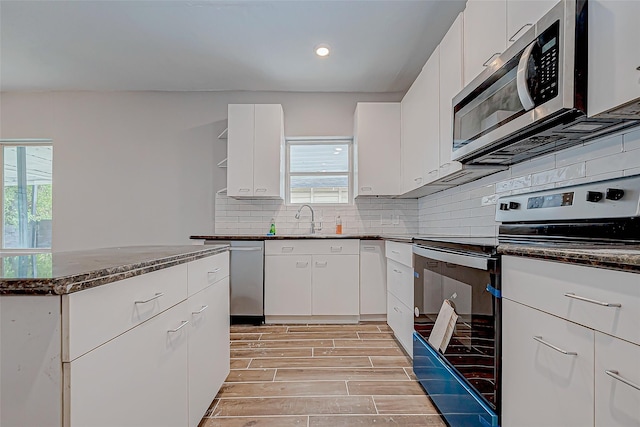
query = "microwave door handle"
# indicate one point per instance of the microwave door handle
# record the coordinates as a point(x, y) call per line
point(521, 78)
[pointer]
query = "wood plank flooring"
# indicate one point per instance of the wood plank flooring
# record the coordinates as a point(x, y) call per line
point(319, 376)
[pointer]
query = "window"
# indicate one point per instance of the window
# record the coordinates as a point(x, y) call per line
point(26, 194)
point(319, 171)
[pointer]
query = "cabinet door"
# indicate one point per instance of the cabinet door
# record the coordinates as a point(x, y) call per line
point(413, 148)
point(614, 63)
point(208, 346)
point(240, 150)
point(400, 320)
point(267, 151)
point(431, 120)
point(335, 285)
point(485, 35)
point(617, 402)
point(377, 146)
point(535, 375)
point(450, 85)
point(523, 14)
point(137, 379)
point(287, 285)
point(373, 278)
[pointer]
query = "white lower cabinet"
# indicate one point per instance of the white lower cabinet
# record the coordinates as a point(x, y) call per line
point(536, 375)
point(287, 285)
point(373, 280)
point(137, 379)
point(570, 345)
point(400, 292)
point(209, 351)
point(311, 280)
point(617, 378)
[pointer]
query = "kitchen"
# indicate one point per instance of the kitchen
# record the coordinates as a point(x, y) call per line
point(155, 154)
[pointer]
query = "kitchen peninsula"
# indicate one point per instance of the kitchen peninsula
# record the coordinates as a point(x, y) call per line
point(145, 329)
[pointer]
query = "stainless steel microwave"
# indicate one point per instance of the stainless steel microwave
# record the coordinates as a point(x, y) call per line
point(532, 100)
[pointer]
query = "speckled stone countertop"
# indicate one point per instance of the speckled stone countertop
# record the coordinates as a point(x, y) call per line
point(61, 273)
point(397, 238)
point(614, 258)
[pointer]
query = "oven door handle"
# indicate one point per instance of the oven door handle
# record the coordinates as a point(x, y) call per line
point(473, 261)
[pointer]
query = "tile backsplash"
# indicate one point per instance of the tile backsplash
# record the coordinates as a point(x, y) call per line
point(469, 210)
point(367, 216)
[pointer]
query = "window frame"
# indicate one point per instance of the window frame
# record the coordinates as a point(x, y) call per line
point(318, 140)
point(16, 142)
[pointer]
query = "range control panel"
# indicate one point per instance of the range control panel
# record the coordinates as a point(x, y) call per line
point(613, 198)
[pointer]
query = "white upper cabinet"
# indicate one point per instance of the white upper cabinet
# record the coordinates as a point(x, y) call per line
point(411, 146)
point(420, 121)
point(451, 83)
point(523, 14)
point(614, 57)
point(377, 149)
point(255, 148)
point(432, 118)
point(485, 35)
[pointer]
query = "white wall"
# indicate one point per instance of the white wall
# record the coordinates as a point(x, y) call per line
point(138, 168)
point(469, 210)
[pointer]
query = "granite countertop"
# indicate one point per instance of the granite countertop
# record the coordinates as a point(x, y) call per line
point(397, 238)
point(58, 273)
point(625, 258)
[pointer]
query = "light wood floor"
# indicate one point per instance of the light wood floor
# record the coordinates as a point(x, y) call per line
point(319, 376)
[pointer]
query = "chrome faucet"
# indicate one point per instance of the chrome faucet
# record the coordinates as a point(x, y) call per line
point(313, 224)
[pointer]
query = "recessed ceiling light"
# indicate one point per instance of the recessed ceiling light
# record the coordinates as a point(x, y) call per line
point(322, 50)
point(338, 149)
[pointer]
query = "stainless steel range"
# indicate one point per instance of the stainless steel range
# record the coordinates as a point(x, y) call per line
point(457, 338)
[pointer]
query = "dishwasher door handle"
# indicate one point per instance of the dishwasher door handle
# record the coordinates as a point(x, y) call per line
point(245, 249)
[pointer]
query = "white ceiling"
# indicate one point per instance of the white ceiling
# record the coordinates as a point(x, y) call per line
point(179, 45)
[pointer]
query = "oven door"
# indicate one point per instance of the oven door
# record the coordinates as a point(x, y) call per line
point(462, 377)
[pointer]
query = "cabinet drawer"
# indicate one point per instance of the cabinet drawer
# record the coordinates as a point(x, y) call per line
point(400, 282)
point(574, 292)
point(399, 252)
point(312, 247)
point(94, 316)
point(206, 271)
point(617, 403)
point(400, 320)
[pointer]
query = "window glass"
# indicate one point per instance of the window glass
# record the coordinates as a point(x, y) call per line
point(319, 172)
point(27, 196)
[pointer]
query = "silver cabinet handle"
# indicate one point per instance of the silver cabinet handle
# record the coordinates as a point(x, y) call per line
point(616, 375)
point(396, 309)
point(287, 249)
point(369, 248)
point(243, 190)
point(365, 188)
point(321, 264)
point(156, 296)
point(261, 190)
point(336, 248)
point(214, 271)
point(432, 172)
point(445, 166)
point(395, 252)
point(592, 301)
point(419, 179)
point(490, 60)
point(397, 271)
point(204, 307)
point(182, 325)
point(558, 349)
point(301, 264)
point(513, 37)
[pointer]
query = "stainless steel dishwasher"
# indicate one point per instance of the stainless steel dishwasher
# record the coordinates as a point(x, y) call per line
point(246, 280)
